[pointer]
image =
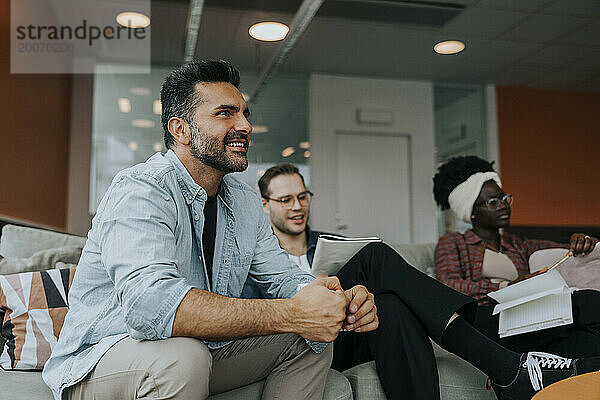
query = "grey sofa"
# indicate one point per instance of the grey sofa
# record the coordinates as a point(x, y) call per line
point(458, 379)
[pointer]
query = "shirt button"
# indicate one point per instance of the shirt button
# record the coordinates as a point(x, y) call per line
point(224, 261)
point(196, 217)
point(189, 197)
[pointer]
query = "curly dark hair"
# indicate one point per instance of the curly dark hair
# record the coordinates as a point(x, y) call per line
point(454, 172)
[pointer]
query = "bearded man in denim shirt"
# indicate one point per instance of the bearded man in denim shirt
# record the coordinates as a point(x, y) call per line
point(154, 306)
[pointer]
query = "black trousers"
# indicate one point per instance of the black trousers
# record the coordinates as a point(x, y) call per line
point(413, 307)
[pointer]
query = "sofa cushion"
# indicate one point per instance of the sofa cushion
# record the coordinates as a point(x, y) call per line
point(580, 272)
point(22, 242)
point(30, 386)
point(35, 306)
point(419, 256)
point(458, 379)
point(24, 385)
point(61, 257)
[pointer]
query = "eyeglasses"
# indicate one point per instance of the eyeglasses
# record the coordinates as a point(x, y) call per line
point(495, 203)
point(288, 201)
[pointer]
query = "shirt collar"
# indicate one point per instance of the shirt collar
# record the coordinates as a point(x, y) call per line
point(189, 188)
point(471, 237)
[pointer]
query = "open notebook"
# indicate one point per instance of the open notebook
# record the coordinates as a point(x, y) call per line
point(541, 302)
point(333, 252)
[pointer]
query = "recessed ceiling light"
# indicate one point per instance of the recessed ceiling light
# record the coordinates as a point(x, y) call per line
point(139, 91)
point(269, 31)
point(133, 146)
point(133, 19)
point(143, 123)
point(157, 107)
point(304, 145)
point(288, 151)
point(449, 47)
point(157, 146)
point(307, 154)
point(260, 129)
point(124, 105)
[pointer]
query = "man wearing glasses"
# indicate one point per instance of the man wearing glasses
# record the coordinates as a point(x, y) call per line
point(286, 201)
point(411, 308)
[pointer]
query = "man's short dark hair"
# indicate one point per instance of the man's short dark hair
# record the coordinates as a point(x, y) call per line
point(279, 169)
point(178, 97)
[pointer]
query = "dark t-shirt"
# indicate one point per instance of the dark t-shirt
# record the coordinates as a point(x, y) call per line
point(209, 233)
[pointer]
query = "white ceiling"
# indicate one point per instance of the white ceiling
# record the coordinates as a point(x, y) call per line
point(534, 43)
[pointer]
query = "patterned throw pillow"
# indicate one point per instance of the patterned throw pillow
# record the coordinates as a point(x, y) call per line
point(34, 305)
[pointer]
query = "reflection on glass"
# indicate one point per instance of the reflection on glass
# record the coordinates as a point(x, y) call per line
point(121, 139)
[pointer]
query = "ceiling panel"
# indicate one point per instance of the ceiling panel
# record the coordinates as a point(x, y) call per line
point(557, 55)
point(331, 32)
point(465, 72)
point(586, 35)
point(167, 33)
point(482, 23)
point(565, 78)
point(509, 41)
point(544, 28)
point(518, 75)
point(326, 43)
point(591, 85)
point(219, 25)
point(586, 8)
point(515, 5)
point(501, 53)
point(591, 60)
point(390, 43)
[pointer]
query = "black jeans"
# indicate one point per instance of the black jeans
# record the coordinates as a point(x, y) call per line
point(412, 307)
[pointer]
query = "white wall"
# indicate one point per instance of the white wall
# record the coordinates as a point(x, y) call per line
point(333, 102)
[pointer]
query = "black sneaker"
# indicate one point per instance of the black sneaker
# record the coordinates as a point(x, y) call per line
point(537, 370)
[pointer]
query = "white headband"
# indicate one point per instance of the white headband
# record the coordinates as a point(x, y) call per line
point(463, 197)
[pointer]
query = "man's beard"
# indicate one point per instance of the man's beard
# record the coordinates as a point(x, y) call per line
point(213, 152)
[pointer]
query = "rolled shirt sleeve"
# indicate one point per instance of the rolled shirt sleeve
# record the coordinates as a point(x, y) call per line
point(138, 252)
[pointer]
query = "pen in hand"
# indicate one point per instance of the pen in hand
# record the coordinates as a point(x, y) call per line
point(560, 261)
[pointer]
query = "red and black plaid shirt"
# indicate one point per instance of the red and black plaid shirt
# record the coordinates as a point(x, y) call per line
point(459, 260)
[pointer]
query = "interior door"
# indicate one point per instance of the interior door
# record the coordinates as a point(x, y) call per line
point(374, 186)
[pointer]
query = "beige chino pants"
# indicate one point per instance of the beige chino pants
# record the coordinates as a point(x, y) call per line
point(184, 368)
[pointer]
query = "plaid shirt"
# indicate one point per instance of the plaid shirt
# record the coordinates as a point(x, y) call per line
point(459, 260)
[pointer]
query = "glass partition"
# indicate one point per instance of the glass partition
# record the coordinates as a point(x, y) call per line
point(127, 128)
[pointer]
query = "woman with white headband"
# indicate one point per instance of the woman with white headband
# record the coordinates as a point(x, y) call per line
point(483, 259)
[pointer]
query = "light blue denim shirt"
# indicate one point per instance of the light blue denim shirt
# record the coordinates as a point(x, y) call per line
point(144, 253)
